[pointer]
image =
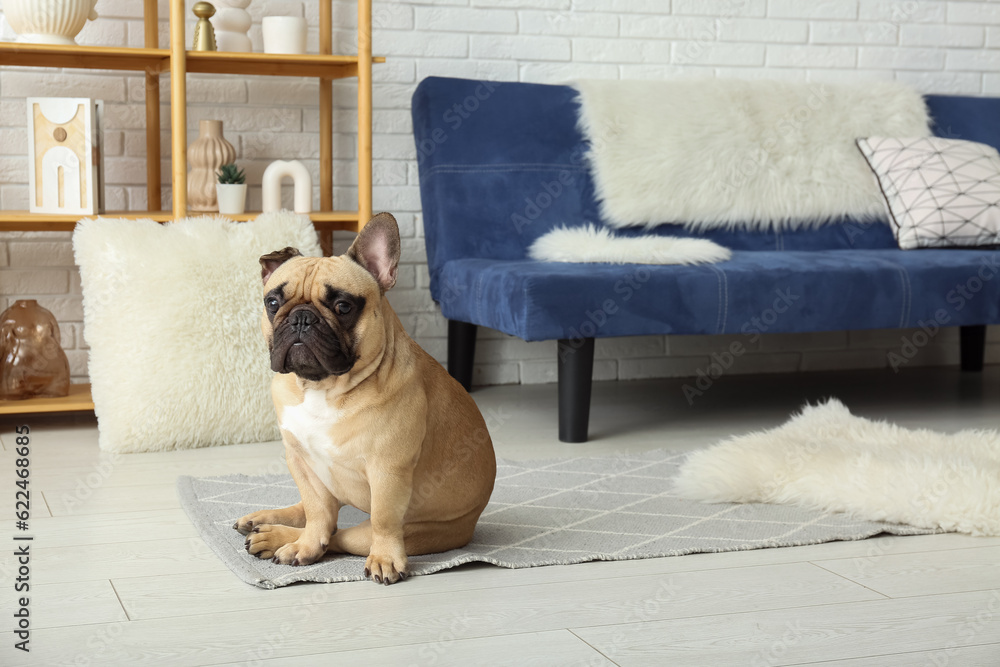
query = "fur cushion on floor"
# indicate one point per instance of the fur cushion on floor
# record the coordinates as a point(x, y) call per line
point(825, 458)
point(172, 318)
point(718, 153)
point(598, 245)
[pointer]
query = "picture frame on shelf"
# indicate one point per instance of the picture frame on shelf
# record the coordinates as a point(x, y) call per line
point(66, 160)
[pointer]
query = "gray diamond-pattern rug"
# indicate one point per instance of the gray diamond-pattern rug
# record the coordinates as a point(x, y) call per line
point(541, 513)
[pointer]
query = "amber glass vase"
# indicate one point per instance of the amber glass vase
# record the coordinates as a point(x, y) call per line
point(32, 362)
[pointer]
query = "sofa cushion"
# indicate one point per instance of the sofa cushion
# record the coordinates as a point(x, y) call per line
point(754, 292)
point(940, 192)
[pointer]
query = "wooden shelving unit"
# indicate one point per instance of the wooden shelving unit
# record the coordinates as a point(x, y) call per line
point(177, 61)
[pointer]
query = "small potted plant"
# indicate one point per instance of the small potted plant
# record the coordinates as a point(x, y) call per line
point(231, 189)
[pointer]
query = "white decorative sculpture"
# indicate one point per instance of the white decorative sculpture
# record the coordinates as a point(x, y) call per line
point(231, 25)
point(270, 186)
point(64, 149)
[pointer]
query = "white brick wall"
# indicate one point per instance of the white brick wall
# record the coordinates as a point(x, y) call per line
point(937, 46)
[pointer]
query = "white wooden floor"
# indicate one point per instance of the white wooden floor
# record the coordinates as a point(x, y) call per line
point(119, 577)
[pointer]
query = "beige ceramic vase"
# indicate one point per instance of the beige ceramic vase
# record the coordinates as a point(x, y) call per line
point(207, 154)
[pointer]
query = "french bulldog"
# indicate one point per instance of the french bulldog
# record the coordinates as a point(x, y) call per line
point(367, 417)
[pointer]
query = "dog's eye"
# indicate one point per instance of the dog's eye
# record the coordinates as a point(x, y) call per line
point(271, 303)
point(341, 307)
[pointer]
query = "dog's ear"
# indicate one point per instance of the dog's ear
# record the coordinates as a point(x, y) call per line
point(377, 249)
point(271, 261)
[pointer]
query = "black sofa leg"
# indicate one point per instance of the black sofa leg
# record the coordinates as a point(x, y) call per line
point(576, 369)
point(972, 347)
point(461, 351)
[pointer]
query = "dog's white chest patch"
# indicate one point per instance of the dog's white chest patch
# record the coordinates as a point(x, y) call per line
point(311, 422)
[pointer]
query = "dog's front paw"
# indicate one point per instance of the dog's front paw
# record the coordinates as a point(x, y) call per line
point(264, 540)
point(386, 569)
point(299, 553)
point(293, 516)
point(245, 524)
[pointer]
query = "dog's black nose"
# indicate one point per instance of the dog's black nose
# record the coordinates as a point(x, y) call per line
point(301, 319)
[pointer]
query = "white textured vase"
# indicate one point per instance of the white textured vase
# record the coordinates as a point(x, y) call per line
point(232, 23)
point(207, 154)
point(49, 21)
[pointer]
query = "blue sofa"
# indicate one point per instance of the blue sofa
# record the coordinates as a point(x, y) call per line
point(502, 163)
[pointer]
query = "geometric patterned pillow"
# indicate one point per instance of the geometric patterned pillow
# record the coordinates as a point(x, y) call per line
point(940, 192)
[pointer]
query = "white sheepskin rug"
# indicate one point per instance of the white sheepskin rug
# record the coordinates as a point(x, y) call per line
point(825, 458)
point(172, 317)
point(713, 153)
point(598, 245)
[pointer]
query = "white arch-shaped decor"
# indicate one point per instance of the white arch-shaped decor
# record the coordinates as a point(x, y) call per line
point(271, 185)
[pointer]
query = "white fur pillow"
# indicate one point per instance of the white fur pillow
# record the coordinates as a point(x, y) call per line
point(598, 245)
point(172, 318)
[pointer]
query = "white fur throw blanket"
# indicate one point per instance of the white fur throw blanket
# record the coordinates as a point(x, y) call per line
point(172, 317)
point(825, 458)
point(728, 153)
point(591, 244)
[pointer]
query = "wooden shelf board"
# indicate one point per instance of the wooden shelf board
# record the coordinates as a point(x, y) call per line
point(79, 400)
point(84, 57)
point(267, 64)
point(323, 220)
point(158, 60)
point(23, 221)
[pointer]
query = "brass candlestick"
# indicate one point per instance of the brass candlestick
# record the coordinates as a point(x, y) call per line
point(204, 33)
